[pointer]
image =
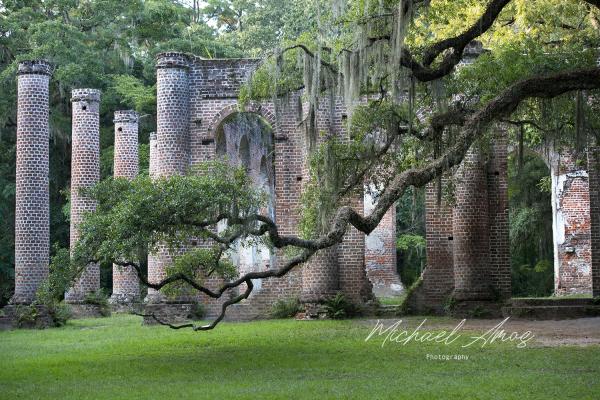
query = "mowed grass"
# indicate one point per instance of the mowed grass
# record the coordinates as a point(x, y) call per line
point(117, 358)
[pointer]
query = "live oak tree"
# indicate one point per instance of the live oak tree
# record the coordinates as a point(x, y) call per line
point(421, 121)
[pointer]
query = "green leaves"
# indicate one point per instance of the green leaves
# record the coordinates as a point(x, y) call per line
point(135, 94)
point(170, 214)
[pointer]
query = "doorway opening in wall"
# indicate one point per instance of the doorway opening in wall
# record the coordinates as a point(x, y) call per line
point(246, 140)
point(530, 226)
point(410, 236)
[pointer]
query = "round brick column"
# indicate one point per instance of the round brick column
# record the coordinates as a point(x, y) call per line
point(126, 286)
point(85, 173)
point(32, 214)
point(171, 154)
point(320, 278)
point(472, 274)
point(152, 162)
point(173, 113)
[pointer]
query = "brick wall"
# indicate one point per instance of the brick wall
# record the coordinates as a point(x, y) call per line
point(126, 287)
point(594, 184)
point(85, 172)
point(32, 220)
point(571, 223)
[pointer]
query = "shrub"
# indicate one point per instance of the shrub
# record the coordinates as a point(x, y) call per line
point(26, 315)
point(59, 312)
point(285, 308)
point(338, 307)
point(197, 312)
point(100, 299)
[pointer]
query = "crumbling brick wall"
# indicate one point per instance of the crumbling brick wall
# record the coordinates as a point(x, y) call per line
point(571, 223)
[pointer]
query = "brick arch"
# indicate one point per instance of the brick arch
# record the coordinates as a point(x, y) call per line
point(252, 107)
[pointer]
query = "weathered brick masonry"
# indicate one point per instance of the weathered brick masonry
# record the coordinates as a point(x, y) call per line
point(199, 119)
point(572, 225)
point(594, 183)
point(32, 223)
point(467, 232)
point(85, 173)
point(126, 287)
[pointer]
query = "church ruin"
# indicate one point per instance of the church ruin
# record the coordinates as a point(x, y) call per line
point(199, 119)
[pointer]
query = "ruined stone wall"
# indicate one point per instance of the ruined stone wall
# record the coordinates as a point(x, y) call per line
point(213, 98)
point(85, 173)
point(571, 223)
point(32, 219)
point(195, 98)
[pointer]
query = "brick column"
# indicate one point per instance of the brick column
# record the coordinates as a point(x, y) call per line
point(126, 287)
point(85, 173)
point(472, 278)
point(152, 162)
point(594, 186)
point(172, 139)
point(320, 276)
point(497, 178)
point(438, 276)
point(32, 219)
point(353, 279)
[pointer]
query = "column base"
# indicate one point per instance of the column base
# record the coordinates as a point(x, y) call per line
point(475, 294)
point(476, 309)
point(125, 303)
point(312, 311)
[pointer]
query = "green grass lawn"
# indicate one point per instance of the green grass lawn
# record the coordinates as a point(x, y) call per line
point(117, 358)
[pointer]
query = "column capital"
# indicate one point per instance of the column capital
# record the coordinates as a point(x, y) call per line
point(173, 60)
point(37, 67)
point(125, 116)
point(89, 95)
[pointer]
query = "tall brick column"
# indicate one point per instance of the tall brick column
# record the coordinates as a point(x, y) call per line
point(497, 191)
point(32, 219)
point(85, 173)
point(438, 276)
point(126, 287)
point(320, 276)
point(152, 162)
point(472, 277)
point(172, 139)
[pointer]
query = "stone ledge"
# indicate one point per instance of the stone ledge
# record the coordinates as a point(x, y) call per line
point(172, 313)
point(79, 311)
point(9, 318)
